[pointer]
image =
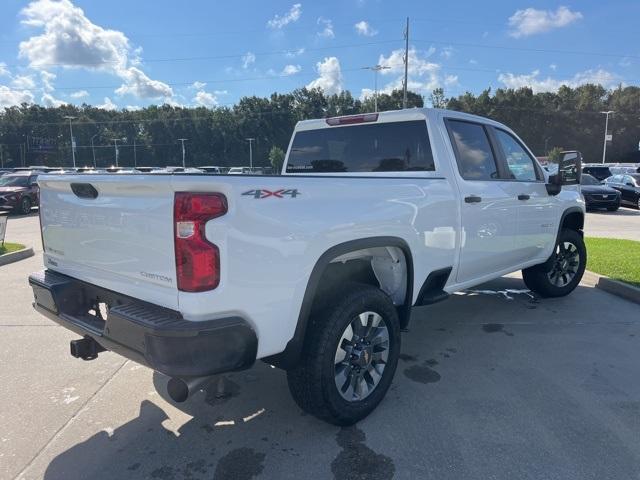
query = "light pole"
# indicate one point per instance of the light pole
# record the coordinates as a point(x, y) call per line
point(73, 143)
point(115, 146)
point(250, 140)
point(93, 150)
point(546, 142)
point(606, 129)
point(375, 69)
point(183, 140)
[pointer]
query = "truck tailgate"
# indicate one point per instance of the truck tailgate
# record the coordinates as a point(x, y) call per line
point(121, 240)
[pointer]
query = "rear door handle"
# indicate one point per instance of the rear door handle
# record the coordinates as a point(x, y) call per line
point(523, 196)
point(472, 199)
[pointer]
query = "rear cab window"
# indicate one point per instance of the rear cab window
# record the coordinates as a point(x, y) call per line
point(474, 154)
point(378, 147)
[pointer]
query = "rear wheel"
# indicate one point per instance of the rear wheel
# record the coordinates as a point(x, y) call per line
point(562, 273)
point(350, 356)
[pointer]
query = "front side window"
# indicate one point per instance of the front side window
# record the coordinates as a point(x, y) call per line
point(519, 163)
point(379, 147)
point(474, 154)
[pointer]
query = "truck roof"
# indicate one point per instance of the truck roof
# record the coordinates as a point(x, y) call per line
point(397, 116)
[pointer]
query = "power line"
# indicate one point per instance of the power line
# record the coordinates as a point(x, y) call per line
point(208, 57)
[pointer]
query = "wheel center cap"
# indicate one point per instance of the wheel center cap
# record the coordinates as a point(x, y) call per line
point(362, 356)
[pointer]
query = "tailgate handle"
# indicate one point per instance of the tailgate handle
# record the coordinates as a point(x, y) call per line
point(84, 190)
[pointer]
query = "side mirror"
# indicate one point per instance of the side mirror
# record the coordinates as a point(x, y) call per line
point(569, 172)
point(629, 184)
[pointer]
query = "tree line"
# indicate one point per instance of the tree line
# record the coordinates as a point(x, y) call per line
point(569, 119)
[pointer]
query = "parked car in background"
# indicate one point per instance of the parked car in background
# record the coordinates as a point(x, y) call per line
point(212, 169)
point(239, 171)
point(596, 195)
point(629, 188)
point(599, 171)
point(19, 191)
point(4, 171)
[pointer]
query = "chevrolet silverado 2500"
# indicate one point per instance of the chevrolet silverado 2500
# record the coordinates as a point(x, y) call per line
point(315, 270)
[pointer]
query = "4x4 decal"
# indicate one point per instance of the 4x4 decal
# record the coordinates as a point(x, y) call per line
point(264, 193)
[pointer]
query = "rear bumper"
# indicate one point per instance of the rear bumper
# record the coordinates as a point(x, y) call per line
point(148, 334)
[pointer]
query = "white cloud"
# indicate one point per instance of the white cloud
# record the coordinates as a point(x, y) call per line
point(49, 100)
point(23, 82)
point(248, 59)
point(198, 85)
point(79, 94)
point(47, 79)
point(71, 40)
point(294, 53)
point(3, 69)
point(330, 76)
point(447, 52)
point(133, 108)
point(291, 69)
point(137, 83)
point(548, 84)
point(291, 16)
point(363, 28)
point(553, 66)
point(205, 99)
point(107, 105)
point(531, 21)
point(424, 75)
point(10, 97)
point(327, 28)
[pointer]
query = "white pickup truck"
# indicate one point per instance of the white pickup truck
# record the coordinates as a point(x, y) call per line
point(315, 270)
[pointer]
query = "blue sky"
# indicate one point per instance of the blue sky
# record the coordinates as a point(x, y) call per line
point(128, 54)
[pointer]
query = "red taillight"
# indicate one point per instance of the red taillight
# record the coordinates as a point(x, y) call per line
point(197, 260)
point(350, 120)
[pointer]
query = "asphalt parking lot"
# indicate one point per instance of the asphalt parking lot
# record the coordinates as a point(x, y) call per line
point(493, 383)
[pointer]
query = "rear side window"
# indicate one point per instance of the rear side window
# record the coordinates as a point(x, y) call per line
point(476, 160)
point(380, 147)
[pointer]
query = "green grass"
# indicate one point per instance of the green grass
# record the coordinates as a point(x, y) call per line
point(617, 259)
point(10, 247)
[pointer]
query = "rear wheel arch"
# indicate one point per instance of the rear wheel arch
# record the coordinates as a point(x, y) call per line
point(290, 356)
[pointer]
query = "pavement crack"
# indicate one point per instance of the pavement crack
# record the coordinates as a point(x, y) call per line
point(62, 428)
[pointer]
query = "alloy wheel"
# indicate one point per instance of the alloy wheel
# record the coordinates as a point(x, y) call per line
point(565, 264)
point(361, 356)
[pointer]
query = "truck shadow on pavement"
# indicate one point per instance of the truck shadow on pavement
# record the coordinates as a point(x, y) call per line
point(465, 392)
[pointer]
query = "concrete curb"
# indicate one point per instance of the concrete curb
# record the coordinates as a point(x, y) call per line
point(620, 289)
point(8, 258)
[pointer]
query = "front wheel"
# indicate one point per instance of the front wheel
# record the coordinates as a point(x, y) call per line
point(562, 272)
point(350, 356)
point(25, 206)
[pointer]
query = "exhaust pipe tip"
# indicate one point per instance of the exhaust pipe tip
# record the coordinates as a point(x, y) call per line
point(178, 390)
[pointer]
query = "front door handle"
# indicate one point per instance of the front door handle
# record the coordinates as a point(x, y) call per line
point(472, 199)
point(523, 196)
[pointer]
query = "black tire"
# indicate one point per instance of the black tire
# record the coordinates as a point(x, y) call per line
point(539, 277)
point(613, 209)
point(25, 206)
point(313, 382)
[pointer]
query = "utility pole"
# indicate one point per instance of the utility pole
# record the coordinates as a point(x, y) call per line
point(135, 159)
point(115, 146)
point(73, 142)
point(406, 65)
point(183, 140)
point(250, 140)
point(93, 150)
point(375, 69)
point(606, 129)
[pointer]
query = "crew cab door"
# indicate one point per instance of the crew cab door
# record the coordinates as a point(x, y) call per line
point(537, 211)
point(488, 209)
